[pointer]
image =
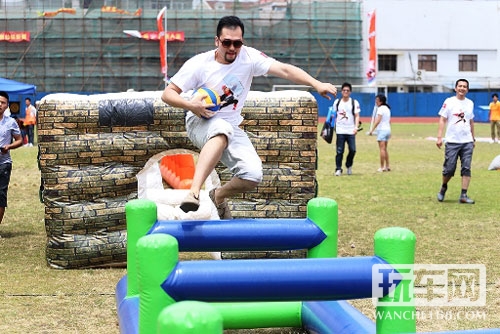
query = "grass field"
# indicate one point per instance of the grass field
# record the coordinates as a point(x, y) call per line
point(37, 299)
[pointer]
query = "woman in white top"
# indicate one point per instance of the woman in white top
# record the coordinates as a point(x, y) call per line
point(383, 125)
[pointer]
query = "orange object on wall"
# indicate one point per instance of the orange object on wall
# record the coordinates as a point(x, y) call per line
point(178, 170)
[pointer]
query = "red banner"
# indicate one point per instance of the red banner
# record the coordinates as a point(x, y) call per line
point(161, 36)
point(113, 9)
point(14, 36)
point(172, 36)
point(372, 55)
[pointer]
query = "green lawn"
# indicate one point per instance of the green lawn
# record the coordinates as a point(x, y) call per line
point(37, 299)
point(447, 233)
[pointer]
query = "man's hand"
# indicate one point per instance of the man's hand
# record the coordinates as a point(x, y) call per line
point(4, 149)
point(199, 108)
point(439, 142)
point(325, 88)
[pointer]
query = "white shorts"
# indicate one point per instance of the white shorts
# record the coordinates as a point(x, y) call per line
point(239, 156)
point(383, 135)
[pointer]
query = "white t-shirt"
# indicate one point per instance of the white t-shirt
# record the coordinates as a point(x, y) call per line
point(385, 122)
point(345, 116)
point(458, 114)
point(231, 81)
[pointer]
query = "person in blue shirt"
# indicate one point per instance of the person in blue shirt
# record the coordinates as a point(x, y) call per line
point(10, 138)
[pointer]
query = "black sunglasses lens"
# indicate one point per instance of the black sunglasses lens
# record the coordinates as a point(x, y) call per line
point(227, 43)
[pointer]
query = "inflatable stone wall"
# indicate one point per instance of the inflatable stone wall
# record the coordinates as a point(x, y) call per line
point(92, 147)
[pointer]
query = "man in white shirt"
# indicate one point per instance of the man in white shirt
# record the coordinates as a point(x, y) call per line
point(229, 69)
point(346, 127)
point(457, 114)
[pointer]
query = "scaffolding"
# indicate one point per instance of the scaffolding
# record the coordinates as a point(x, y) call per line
point(85, 49)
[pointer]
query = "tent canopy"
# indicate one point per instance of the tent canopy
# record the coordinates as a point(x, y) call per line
point(14, 87)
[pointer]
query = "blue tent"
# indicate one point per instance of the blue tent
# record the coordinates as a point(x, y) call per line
point(14, 87)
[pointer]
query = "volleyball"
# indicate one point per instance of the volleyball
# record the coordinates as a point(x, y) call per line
point(211, 97)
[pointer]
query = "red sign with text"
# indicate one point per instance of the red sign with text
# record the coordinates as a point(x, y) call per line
point(14, 36)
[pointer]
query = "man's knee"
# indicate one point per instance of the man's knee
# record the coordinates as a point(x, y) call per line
point(465, 171)
point(252, 177)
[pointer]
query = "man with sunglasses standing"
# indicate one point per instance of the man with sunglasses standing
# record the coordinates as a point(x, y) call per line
point(229, 68)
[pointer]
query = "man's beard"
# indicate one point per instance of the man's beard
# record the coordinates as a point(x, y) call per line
point(229, 60)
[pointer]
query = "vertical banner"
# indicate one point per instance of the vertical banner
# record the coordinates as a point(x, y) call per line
point(163, 40)
point(372, 55)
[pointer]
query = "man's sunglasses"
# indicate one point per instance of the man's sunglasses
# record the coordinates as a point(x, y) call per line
point(227, 43)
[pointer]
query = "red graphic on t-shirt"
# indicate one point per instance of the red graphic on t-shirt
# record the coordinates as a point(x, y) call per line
point(343, 115)
point(461, 117)
point(227, 98)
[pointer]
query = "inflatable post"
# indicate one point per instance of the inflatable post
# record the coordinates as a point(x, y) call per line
point(324, 213)
point(141, 215)
point(396, 245)
point(157, 256)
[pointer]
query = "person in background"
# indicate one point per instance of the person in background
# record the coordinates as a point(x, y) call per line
point(383, 125)
point(457, 114)
point(346, 127)
point(30, 121)
point(231, 65)
point(494, 117)
point(10, 138)
point(20, 123)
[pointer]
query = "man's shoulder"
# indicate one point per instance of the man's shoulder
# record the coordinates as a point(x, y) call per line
point(8, 121)
point(455, 101)
point(450, 99)
point(210, 54)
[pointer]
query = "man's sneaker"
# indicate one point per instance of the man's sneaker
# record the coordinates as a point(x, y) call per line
point(440, 196)
point(349, 170)
point(338, 172)
point(222, 208)
point(190, 203)
point(465, 200)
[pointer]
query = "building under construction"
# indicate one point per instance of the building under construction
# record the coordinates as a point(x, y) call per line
point(110, 46)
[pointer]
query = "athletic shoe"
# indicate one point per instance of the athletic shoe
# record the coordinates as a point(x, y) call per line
point(190, 203)
point(349, 170)
point(222, 208)
point(338, 172)
point(380, 170)
point(465, 200)
point(440, 195)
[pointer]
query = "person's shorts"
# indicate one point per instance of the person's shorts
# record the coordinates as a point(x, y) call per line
point(383, 135)
point(5, 171)
point(239, 156)
point(452, 152)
